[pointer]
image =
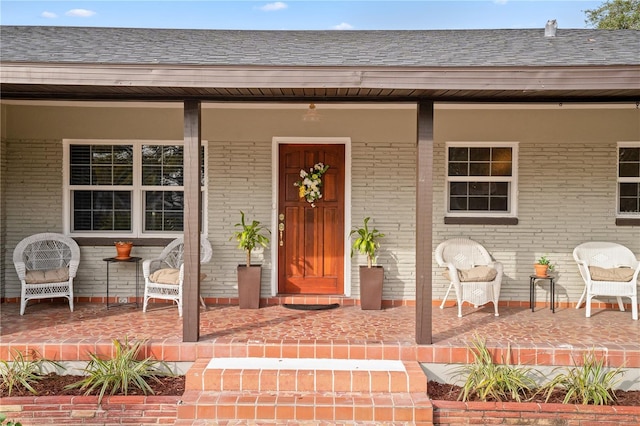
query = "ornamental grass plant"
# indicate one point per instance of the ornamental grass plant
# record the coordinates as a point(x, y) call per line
point(589, 383)
point(489, 381)
point(23, 370)
point(125, 370)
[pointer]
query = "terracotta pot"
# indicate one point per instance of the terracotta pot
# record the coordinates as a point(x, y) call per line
point(541, 270)
point(249, 286)
point(371, 280)
point(123, 250)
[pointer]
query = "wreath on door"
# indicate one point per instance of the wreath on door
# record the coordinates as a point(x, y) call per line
point(310, 183)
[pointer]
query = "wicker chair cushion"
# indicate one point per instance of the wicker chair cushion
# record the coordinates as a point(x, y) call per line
point(169, 276)
point(476, 274)
point(47, 276)
point(611, 274)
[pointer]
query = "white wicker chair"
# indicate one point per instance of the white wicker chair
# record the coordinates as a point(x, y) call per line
point(46, 264)
point(607, 255)
point(172, 257)
point(461, 254)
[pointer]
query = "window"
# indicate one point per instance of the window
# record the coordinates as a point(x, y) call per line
point(481, 179)
point(629, 179)
point(126, 188)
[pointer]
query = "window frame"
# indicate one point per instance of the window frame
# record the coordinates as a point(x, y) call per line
point(619, 180)
point(513, 180)
point(137, 190)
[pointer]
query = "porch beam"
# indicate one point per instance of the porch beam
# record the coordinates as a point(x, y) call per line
point(192, 209)
point(424, 224)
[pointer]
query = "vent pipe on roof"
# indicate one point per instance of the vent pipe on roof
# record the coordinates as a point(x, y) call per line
point(550, 28)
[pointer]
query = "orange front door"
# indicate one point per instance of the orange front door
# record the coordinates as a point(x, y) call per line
point(311, 239)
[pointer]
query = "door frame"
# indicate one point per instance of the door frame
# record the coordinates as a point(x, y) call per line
point(275, 163)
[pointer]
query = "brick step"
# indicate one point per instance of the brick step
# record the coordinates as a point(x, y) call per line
point(305, 375)
point(279, 390)
point(280, 407)
point(203, 422)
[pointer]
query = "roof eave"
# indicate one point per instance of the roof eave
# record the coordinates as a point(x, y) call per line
point(48, 80)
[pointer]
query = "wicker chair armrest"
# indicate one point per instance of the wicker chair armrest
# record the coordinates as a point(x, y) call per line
point(633, 265)
point(151, 265)
point(636, 265)
point(499, 267)
point(21, 270)
point(73, 268)
point(453, 273)
point(636, 275)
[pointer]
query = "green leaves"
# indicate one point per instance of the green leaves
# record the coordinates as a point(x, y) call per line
point(589, 383)
point(121, 372)
point(544, 260)
point(23, 370)
point(615, 15)
point(490, 381)
point(249, 236)
point(3, 417)
point(367, 242)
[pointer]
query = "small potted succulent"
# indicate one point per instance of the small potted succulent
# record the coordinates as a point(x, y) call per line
point(249, 236)
point(543, 266)
point(371, 275)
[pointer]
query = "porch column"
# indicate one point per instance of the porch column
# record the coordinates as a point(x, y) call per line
point(424, 224)
point(192, 209)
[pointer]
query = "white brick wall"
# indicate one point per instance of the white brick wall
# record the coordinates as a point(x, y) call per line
point(33, 196)
point(566, 197)
point(383, 188)
point(567, 191)
point(239, 180)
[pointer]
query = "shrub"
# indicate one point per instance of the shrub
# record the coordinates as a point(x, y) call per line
point(23, 370)
point(488, 380)
point(124, 370)
point(3, 417)
point(589, 383)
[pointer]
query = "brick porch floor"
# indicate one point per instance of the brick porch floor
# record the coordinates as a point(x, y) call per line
point(538, 338)
point(223, 388)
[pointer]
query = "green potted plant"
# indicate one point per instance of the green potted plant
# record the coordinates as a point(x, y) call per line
point(249, 235)
point(543, 266)
point(371, 276)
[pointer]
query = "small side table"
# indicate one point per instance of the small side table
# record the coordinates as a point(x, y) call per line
point(532, 290)
point(135, 260)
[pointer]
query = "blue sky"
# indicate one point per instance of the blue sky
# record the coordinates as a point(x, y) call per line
point(299, 14)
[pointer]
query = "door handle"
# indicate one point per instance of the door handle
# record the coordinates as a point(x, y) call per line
point(281, 228)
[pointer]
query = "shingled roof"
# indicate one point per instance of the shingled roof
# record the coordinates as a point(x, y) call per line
point(449, 48)
point(476, 63)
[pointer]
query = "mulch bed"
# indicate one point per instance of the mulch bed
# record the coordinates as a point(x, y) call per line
point(445, 392)
point(53, 384)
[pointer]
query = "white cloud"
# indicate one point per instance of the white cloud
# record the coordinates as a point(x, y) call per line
point(270, 7)
point(343, 26)
point(80, 13)
point(48, 15)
